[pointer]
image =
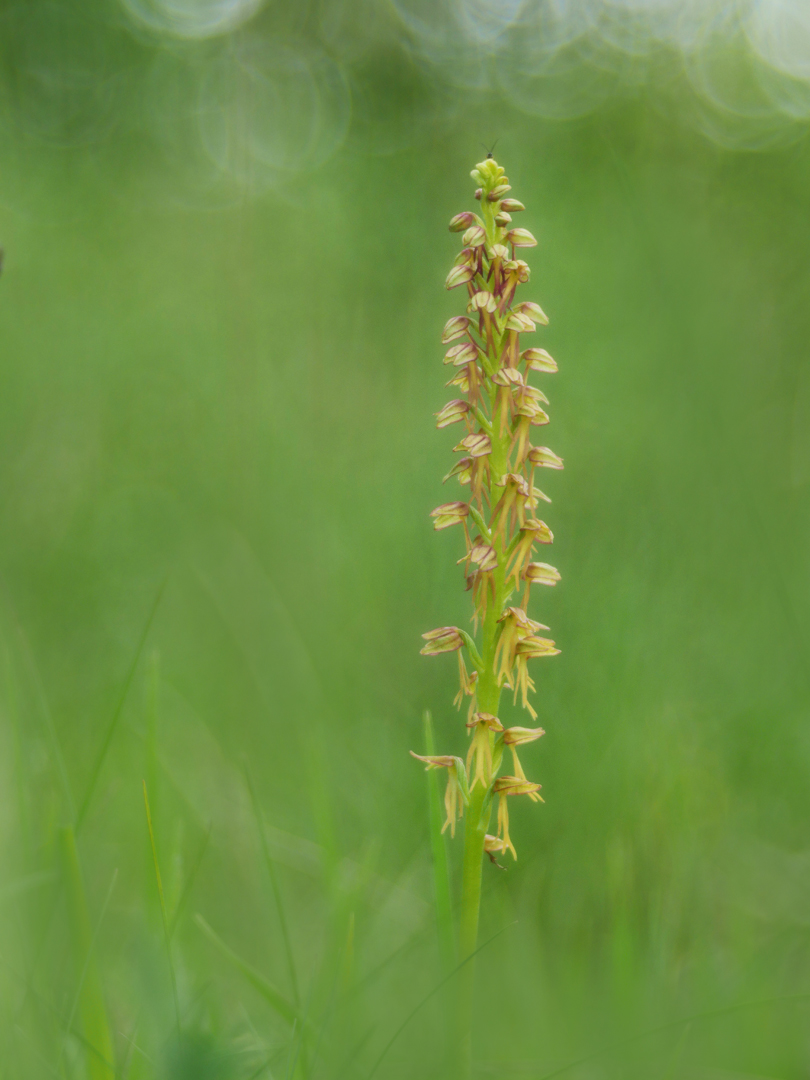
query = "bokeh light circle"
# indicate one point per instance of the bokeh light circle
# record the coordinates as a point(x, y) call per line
point(192, 19)
point(269, 108)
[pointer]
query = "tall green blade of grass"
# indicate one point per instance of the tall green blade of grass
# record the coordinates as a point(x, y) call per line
point(273, 875)
point(163, 913)
point(152, 718)
point(263, 986)
point(119, 708)
point(430, 994)
point(95, 1028)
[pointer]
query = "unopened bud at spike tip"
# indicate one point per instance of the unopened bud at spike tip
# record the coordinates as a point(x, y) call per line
point(512, 206)
point(461, 222)
point(521, 238)
point(474, 236)
point(498, 192)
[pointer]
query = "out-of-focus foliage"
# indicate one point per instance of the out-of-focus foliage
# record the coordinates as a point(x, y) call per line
point(225, 234)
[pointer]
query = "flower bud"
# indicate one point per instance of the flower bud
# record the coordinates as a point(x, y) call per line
point(534, 311)
point(462, 221)
point(517, 321)
point(452, 513)
point(466, 257)
point(452, 413)
point(474, 236)
point(502, 218)
point(515, 736)
point(500, 252)
point(476, 445)
point(478, 193)
point(540, 573)
point(541, 455)
point(512, 205)
point(459, 275)
point(455, 328)
point(521, 238)
point(538, 360)
point(441, 640)
point(464, 353)
point(489, 171)
point(499, 191)
point(508, 376)
point(482, 301)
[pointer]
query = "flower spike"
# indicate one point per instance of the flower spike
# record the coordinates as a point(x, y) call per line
point(498, 406)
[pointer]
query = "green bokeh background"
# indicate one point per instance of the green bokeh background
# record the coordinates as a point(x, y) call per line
point(225, 390)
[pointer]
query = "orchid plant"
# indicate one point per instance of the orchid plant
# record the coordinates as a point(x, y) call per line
point(498, 408)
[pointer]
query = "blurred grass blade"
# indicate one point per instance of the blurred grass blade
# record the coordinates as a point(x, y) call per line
point(271, 870)
point(44, 704)
point(259, 983)
point(709, 1014)
point(152, 710)
point(428, 996)
point(189, 883)
point(90, 954)
point(119, 708)
point(95, 1027)
point(441, 870)
point(163, 912)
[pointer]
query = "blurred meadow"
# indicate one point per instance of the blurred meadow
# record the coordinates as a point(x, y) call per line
point(225, 232)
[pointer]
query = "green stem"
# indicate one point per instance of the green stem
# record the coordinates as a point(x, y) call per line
point(488, 695)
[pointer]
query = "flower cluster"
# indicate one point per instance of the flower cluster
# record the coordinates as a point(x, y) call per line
point(498, 409)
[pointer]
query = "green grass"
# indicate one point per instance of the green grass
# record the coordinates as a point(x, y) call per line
point(237, 402)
